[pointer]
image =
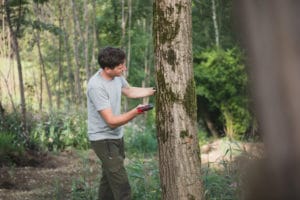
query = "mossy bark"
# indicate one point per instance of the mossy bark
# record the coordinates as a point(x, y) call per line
point(179, 152)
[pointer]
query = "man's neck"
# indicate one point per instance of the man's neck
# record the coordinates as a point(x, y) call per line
point(104, 75)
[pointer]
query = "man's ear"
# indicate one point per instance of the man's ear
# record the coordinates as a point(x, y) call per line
point(106, 69)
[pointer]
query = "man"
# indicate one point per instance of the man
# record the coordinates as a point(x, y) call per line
point(105, 121)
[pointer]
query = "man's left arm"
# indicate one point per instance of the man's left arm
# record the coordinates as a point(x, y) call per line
point(138, 92)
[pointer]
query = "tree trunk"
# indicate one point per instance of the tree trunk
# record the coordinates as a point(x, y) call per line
point(2, 110)
point(129, 36)
point(270, 30)
point(77, 31)
point(146, 81)
point(176, 117)
point(60, 57)
point(41, 58)
point(6, 81)
point(43, 68)
point(123, 24)
point(4, 39)
point(216, 28)
point(16, 51)
point(86, 40)
point(71, 94)
point(95, 42)
point(41, 89)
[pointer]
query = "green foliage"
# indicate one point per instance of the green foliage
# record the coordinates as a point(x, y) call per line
point(144, 179)
point(83, 185)
point(221, 79)
point(219, 185)
point(41, 26)
point(17, 11)
point(203, 28)
point(82, 190)
point(141, 139)
point(61, 131)
point(10, 122)
point(10, 146)
point(225, 177)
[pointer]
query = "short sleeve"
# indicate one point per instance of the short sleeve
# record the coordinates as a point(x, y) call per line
point(124, 82)
point(99, 98)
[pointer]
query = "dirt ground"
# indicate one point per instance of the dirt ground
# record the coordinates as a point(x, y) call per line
point(52, 176)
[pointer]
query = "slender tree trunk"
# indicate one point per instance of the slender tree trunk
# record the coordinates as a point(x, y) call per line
point(77, 31)
point(270, 30)
point(216, 28)
point(41, 89)
point(94, 39)
point(176, 117)
point(123, 24)
point(70, 87)
point(35, 85)
point(6, 81)
point(146, 81)
point(49, 93)
point(86, 40)
point(60, 57)
point(4, 38)
point(114, 4)
point(128, 53)
point(16, 51)
point(71, 95)
point(129, 36)
point(2, 110)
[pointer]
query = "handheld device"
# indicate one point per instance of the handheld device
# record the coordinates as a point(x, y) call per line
point(144, 108)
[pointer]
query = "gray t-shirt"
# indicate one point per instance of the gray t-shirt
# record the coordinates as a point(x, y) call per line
point(101, 94)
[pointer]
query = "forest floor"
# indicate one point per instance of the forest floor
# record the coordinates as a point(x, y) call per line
point(56, 175)
point(49, 176)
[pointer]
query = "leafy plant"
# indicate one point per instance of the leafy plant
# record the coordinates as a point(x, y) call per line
point(140, 140)
point(10, 122)
point(82, 190)
point(144, 179)
point(221, 80)
point(222, 178)
point(219, 185)
point(61, 131)
point(9, 147)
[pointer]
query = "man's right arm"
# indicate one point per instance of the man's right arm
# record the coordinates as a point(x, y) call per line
point(138, 92)
point(114, 121)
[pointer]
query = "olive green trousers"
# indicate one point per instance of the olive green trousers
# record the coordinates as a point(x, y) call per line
point(114, 184)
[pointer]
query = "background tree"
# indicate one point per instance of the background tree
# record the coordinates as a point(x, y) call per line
point(179, 154)
point(14, 14)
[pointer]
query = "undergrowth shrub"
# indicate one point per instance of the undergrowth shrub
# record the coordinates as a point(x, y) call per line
point(219, 184)
point(140, 139)
point(62, 130)
point(9, 147)
point(10, 123)
point(222, 85)
point(144, 179)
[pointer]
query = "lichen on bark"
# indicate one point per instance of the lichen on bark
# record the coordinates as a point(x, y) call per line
point(168, 29)
point(189, 100)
